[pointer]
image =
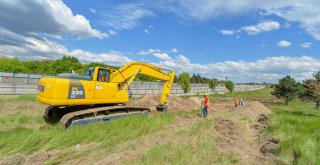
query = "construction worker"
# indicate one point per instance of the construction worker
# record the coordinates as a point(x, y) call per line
point(241, 103)
point(236, 102)
point(206, 105)
point(103, 77)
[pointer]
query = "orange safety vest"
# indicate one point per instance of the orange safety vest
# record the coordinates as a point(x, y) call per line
point(206, 101)
point(236, 102)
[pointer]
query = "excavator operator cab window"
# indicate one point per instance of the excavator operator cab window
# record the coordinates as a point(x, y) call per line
point(103, 75)
point(88, 72)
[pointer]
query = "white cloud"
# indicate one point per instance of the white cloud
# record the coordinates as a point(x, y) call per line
point(146, 31)
point(269, 69)
point(174, 50)
point(52, 18)
point(306, 45)
point(125, 16)
point(112, 32)
point(266, 70)
point(284, 43)
point(148, 52)
point(306, 13)
point(45, 49)
point(227, 32)
point(162, 56)
point(93, 10)
point(263, 26)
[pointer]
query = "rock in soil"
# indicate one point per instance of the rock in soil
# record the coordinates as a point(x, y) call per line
point(269, 148)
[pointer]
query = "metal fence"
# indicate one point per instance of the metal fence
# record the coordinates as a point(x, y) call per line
point(11, 83)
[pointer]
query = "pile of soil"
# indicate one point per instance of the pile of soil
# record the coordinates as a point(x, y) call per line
point(254, 110)
point(271, 147)
point(174, 103)
point(37, 158)
point(226, 127)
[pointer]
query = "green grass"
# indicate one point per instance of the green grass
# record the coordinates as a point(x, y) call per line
point(15, 98)
point(198, 147)
point(21, 140)
point(25, 97)
point(19, 120)
point(264, 93)
point(298, 127)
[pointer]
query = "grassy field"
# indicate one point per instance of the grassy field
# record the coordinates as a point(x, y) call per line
point(298, 127)
point(23, 131)
point(255, 94)
point(26, 134)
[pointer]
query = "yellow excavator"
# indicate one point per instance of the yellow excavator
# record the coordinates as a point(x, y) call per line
point(99, 95)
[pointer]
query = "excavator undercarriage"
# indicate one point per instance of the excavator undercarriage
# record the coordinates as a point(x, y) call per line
point(71, 116)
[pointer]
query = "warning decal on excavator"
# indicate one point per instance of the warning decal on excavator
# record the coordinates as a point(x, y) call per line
point(76, 90)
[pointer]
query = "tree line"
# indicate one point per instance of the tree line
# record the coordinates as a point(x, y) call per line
point(67, 64)
point(48, 67)
point(184, 81)
point(288, 89)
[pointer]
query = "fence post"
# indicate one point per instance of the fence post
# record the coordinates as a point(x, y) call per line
point(14, 83)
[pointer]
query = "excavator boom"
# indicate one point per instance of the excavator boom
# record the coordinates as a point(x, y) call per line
point(125, 75)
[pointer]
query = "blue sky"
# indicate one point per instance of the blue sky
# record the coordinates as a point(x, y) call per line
point(244, 40)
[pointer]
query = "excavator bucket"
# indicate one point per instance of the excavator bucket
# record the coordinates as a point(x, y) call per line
point(162, 108)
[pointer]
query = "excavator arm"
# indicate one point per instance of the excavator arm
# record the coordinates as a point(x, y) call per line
point(125, 75)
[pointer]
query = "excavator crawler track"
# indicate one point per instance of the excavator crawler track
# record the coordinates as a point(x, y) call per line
point(101, 114)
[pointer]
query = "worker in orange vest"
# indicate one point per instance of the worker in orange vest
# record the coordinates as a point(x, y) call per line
point(206, 105)
point(103, 77)
point(236, 102)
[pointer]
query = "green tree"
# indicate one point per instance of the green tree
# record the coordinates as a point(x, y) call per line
point(213, 84)
point(175, 80)
point(12, 65)
point(193, 79)
point(184, 81)
point(317, 76)
point(229, 85)
point(66, 64)
point(311, 91)
point(286, 89)
point(142, 77)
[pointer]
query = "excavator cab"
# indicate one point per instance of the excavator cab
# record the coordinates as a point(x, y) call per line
point(103, 75)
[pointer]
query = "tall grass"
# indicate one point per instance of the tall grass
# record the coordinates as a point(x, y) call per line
point(19, 120)
point(27, 141)
point(298, 127)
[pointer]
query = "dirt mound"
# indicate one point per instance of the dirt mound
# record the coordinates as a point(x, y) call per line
point(253, 109)
point(13, 160)
point(175, 103)
point(263, 119)
point(37, 158)
point(226, 127)
point(40, 158)
point(271, 146)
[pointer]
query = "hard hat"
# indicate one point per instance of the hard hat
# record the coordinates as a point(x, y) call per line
point(206, 94)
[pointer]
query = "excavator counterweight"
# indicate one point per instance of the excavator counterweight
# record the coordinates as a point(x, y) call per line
point(99, 94)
